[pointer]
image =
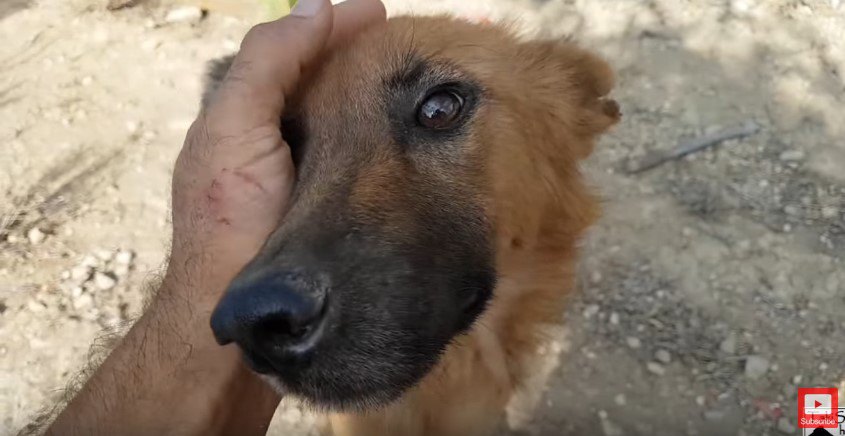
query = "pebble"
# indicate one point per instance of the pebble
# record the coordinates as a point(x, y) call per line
point(829, 212)
point(103, 254)
point(633, 342)
point(700, 400)
point(608, 428)
point(663, 356)
point(796, 380)
point(714, 415)
point(792, 156)
point(89, 261)
point(132, 126)
point(35, 306)
point(620, 399)
point(103, 281)
point(121, 270)
point(756, 367)
point(184, 14)
point(614, 318)
point(791, 210)
point(84, 301)
point(80, 273)
point(124, 257)
point(784, 426)
point(35, 235)
point(591, 310)
point(728, 345)
point(655, 368)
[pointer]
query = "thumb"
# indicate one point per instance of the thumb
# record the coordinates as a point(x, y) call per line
point(267, 68)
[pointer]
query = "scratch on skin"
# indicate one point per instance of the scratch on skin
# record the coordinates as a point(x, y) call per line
point(214, 197)
point(249, 179)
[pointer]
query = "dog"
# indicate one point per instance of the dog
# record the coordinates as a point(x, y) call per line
point(433, 228)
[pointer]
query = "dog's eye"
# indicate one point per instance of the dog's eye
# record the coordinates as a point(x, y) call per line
point(440, 110)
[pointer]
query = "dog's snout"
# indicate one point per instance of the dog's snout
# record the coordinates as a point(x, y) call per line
point(271, 316)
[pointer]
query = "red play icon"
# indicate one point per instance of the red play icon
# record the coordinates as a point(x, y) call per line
point(817, 407)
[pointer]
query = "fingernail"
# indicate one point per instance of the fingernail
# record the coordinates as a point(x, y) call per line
point(306, 8)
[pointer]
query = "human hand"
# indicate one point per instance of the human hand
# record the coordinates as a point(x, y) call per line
point(234, 176)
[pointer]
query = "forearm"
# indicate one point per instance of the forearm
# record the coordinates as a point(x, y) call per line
point(168, 376)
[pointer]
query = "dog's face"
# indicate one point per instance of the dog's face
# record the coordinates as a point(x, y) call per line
point(418, 147)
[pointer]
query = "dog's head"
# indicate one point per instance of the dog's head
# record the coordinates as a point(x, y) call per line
point(427, 150)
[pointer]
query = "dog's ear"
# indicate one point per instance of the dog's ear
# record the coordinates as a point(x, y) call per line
point(574, 85)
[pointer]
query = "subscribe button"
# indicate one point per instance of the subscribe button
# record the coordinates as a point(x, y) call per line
point(818, 410)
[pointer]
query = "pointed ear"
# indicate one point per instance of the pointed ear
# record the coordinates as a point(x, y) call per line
point(575, 84)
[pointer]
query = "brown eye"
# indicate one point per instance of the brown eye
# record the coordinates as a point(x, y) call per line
point(440, 110)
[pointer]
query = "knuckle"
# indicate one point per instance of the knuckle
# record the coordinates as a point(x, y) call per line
point(257, 33)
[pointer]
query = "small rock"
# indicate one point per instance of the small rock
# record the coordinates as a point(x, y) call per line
point(104, 282)
point(633, 342)
point(124, 257)
point(700, 400)
point(608, 428)
point(614, 318)
point(663, 356)
point(714, 415)
point(823, 367)
point(728, 345)
point(796, 380)
point(784, 426)
point(89, 261)
point(84, 301)
point(620, 399)
point(655, 368)
point(792, 156)
point(121, 270)
point(80, 273)
point(829, 212)
point(791, 210)
point(756, 367)
point(35, 236)
point(35, 306)
point(103, 254)
point(184, 14)
point(132, 126)
point(591, 310)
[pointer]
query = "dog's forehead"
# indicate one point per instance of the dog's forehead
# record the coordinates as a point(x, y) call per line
point(384, 52)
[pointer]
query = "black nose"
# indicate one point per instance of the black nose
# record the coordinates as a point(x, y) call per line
point(273, 316)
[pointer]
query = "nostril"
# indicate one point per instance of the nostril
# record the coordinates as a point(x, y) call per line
point(272, 314)
point(284, 329)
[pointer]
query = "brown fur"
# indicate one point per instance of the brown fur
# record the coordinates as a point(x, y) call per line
point(530, 135)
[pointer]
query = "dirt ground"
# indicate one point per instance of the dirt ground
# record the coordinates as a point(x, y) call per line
point(712, 288)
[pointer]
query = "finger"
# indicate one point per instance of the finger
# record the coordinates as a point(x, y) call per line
point(268, 67)
point(352, 16)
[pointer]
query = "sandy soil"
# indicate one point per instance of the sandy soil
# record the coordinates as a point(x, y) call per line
point(713, 287)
